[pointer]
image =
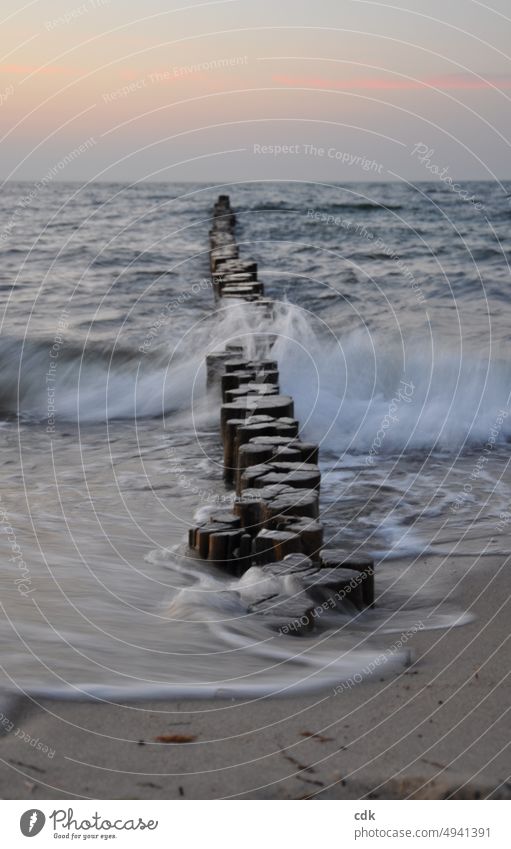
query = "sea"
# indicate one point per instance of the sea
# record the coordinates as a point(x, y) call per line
point(392, 332)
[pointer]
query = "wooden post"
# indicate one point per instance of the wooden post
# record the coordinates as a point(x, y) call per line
point(275, 519)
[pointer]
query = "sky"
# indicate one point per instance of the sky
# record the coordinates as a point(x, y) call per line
point(255, 89)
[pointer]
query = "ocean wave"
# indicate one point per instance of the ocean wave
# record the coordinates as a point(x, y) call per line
point(46, 380)
point(354, 392)
point(363, 392)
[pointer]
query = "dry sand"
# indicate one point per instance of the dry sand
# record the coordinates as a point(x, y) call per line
point(440, 729)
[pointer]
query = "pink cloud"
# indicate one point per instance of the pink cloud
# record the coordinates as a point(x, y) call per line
point(36, 69)
point(446, 83)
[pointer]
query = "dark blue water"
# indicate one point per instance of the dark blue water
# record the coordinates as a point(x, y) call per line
point(392, 334)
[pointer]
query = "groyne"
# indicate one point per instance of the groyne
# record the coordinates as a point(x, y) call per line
point(275, 524)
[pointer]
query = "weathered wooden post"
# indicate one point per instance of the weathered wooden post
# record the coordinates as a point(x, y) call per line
point(275, 521)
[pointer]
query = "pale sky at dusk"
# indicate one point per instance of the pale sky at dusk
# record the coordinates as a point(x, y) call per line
point(204, 91)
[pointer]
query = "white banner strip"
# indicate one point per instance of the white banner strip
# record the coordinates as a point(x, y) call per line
point(209, 823)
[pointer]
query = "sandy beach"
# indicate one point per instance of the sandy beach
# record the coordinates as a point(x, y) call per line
point(440, 729)
point(255, 417)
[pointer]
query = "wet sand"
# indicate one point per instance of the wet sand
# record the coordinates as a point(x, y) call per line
point(439, 729)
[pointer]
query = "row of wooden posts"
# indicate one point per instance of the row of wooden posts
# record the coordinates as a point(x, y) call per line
point(275, 522)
